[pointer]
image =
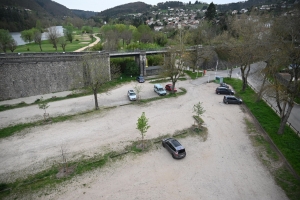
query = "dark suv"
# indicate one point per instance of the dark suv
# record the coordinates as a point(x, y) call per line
point(174, 147)
point(224, 90)
point(232, 99)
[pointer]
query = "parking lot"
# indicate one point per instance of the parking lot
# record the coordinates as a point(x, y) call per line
point(224, 166)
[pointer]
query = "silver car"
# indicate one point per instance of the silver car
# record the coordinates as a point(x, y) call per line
point(131, 95)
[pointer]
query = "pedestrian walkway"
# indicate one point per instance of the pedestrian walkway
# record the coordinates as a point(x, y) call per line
point(90, 45)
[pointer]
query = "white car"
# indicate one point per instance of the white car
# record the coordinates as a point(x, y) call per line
point(131, 95)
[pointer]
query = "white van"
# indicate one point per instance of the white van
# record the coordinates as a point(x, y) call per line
point(159, 89)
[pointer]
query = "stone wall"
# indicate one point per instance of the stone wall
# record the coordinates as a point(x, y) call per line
point(23, 75)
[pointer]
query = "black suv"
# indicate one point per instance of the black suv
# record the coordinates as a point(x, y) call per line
point(232, 99)
point(174, 147)
point(224, 90)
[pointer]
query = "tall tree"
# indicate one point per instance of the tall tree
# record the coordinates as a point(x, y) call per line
point(96, 73)
point(211, 12)
point(174, 60)
point(27, 35)
point(245, 47)
point(68, 33)
point(286, 36)
point(5, 39)
point(53, 35)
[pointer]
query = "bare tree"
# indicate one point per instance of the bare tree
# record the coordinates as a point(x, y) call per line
point(63, 151)
point(12, 45)
point(37, 37)
point(138, 88)
point(53, 35)
point(63, 43)
point(286, 35)
point(174, 63)
point(96, 72)
point(44, 105)
point(245, 47)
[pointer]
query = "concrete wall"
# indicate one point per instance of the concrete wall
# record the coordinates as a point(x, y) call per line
point(23, 75)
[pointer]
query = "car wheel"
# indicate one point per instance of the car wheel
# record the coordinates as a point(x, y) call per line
point(226, 102)
point(173, 156)
point(163, 144)
point(218, 92)
point(240, 103)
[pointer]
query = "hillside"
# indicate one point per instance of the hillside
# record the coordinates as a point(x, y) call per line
point(130, 8)
point(17, 15)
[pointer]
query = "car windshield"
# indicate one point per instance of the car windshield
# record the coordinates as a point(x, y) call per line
point(160, 89)
point(132, 94)
point(141, 78)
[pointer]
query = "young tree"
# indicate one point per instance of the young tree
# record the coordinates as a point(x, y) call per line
point(198, 110)
point(37, 37)
point(138, 88)
point(142, 126)
point(63, 43)
point(68, 33)
point(96, 73)
point(53, 36)
point(44, 105)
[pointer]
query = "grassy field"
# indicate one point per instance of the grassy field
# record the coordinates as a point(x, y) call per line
point(80, 40)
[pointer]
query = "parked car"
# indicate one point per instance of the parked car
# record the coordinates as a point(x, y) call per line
point(131, 95)
point(140, 79)
point(224, 85)
point(168, 87)
point(174, 147)
point(224, 90)
point(159, 90)
point(232, 99)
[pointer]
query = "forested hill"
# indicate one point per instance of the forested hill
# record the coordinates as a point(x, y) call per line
point(248, 4)
point(130, 8)
point(16, 15)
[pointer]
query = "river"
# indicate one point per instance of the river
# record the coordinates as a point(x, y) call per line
point(17, 35)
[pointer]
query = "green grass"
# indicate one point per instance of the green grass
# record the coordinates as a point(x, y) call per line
point(289, 142)
point(48, 47)
point(193, 75)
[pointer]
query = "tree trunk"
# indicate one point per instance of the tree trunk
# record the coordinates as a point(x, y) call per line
point(261, 89)
point(284, 119)
point(96, 98)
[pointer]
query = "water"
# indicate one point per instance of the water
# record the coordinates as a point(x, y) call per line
point(17, 35)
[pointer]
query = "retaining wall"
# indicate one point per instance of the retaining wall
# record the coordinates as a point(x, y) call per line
point(31, 74)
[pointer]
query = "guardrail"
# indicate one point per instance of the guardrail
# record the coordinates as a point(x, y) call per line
point(275, 109)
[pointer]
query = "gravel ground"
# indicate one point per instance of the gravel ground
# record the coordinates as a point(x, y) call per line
point(224, 166)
